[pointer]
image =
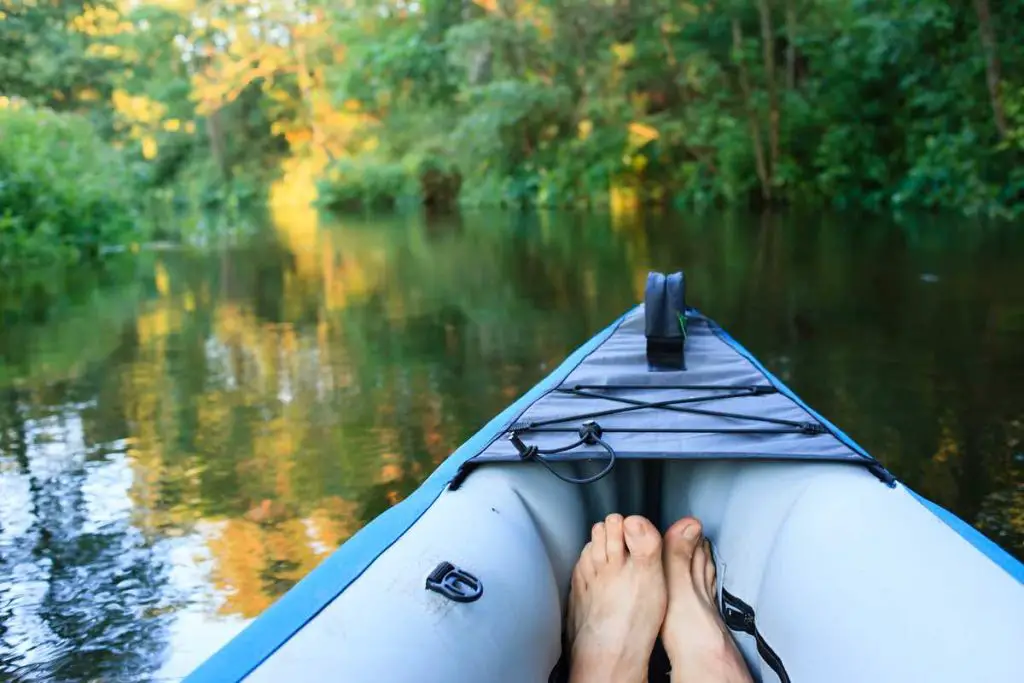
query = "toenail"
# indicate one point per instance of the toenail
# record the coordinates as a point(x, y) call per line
point(691, 532)
point(634, 525)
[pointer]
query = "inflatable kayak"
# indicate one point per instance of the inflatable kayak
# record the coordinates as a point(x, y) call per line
point(829, 568)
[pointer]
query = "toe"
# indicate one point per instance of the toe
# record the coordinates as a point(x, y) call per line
point(681, 539)
point(579, 579)
point(586, 565)
point(698, 571)
point(709, 571)
point(616, 542)
point(599, 545)
point(642, 539)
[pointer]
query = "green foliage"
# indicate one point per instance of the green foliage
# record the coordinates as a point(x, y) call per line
point(63, 192)
point(45, 61)
point(879, 104)
point(367, 184)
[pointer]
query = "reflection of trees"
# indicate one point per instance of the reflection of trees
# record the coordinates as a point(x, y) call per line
point(81, 590)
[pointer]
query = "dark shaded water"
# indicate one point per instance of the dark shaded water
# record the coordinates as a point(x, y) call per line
point(185, 435)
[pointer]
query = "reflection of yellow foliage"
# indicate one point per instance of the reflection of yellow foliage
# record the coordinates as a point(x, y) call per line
point(157, 323)
point(389, 472)
point(939, 474)
point(161, 279)
point(333, 523)
point(255, 562)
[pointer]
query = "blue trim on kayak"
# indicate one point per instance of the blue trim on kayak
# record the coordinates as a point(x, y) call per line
point(241, 655)
point(983, 543)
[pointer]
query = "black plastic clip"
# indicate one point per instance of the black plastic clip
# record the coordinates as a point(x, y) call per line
point(812, 428)
point(590, 432)
point(454, 583)
point(525, 452)
point(738, 615)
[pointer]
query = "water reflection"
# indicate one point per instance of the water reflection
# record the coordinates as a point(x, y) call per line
point(185, 435)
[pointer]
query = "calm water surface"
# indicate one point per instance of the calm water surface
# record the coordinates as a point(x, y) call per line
point(184, 435)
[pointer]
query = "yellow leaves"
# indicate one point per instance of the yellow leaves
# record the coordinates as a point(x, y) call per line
point(183, 6)
point(99, 20)
point(640, 134)
point(624, 53)
point(584, 128)
point(137, 108)
point(190, 126)
point(103, 50)
point(149, 147)
point(172, 125)
point(489, 5)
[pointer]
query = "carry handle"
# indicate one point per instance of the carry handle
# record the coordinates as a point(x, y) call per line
point(665, 320)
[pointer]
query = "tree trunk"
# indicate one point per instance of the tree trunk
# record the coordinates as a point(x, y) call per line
point(755, 127)
point(216, 137)
point(992, 76)
point(768, 48)
point(790, 44)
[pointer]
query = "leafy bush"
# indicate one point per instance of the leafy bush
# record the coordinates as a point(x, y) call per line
point(365, 183)
point(63, 192)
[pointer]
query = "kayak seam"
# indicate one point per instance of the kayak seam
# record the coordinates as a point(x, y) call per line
point(224, 664)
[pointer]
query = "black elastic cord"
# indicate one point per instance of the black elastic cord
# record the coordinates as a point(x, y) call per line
point(804, 428)
point(754, 388)
point(538, 456)
point(633, 407)
point(590, 434)
point(691, 411)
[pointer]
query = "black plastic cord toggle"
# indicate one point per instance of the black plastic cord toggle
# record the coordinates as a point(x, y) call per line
point(590, 432)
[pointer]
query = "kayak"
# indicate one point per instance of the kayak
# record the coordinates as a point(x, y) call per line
point(829, 568)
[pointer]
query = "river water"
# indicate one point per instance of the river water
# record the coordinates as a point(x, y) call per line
point(185, 434)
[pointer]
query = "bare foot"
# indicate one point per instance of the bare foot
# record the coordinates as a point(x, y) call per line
point(698, 644)
point(617, 602)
